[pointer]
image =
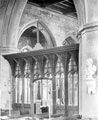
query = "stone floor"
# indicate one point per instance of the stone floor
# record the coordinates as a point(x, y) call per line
point(29, 118)
point(73, 117)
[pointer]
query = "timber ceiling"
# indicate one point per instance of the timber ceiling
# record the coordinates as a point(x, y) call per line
point(65, 7)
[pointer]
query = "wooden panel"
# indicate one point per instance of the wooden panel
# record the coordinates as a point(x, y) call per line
point(72, 110)
point(42, 52)
point(60, 110)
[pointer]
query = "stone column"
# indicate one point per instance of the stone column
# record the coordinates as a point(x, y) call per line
point(88, 57)
point(87, 11)
point(5, 78)
point(10, 16)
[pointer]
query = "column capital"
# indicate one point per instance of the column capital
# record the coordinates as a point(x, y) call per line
point(89, 27)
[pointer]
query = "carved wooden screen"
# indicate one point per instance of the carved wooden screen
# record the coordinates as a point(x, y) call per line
point(59, 65)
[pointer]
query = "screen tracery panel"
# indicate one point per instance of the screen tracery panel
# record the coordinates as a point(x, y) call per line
point(47, 83)
point(72, 83)
point(36, 73)
point(60, 94)
point(37, 84)
point(18, 85)
point(53, 74)
point(42, 85)
point(27, 76)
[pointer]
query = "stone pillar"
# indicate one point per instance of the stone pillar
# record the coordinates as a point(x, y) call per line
point(87, 11)
point(10, 15)
point(5, 78)
point(88, 57)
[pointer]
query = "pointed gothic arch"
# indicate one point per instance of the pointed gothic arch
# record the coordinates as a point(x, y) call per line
point(44, 31)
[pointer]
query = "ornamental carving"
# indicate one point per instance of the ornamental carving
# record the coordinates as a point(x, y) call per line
point(90, 69)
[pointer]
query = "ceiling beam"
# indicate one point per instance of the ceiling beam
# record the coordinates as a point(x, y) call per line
point(33, 4)
point(53, 10)
point(51, 2)
point(44, 3)
point(63, 10)
point(66, 5)
point(68, 1)
point(59, 6)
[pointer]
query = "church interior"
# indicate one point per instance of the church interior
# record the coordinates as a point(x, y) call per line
point(48, 59)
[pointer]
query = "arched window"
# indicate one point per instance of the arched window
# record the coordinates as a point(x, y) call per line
point(27, 76)
point(18, 85)
point(60, 96)
point(72, 83)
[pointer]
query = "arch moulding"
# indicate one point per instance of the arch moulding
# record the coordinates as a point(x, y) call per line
point(48, 34)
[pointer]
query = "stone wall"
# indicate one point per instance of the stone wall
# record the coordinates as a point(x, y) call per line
point(58, 24)
point(5, 73)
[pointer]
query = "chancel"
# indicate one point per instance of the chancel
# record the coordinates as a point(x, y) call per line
point(48, 59)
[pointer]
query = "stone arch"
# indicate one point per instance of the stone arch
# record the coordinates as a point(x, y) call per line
point(11, 20)
point(71, 38)
point(10, 29)
point(80, 6)
point(46, 32)
point(49, 32)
